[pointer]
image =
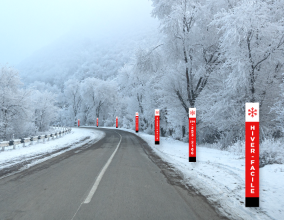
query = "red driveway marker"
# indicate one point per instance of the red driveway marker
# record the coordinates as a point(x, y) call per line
point(137, 122)
point(252, 155)
point(157, 126)
point(78, 122)
point(97, 122)
point(192, 135)
point(116, 122)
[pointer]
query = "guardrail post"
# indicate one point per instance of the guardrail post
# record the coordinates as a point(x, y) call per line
point(14, 147)
point(11, 143)
point(23, 142)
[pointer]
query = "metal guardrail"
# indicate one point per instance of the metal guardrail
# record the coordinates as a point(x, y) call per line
point(23, 141)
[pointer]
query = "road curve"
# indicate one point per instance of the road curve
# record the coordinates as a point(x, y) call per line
point(131, 187)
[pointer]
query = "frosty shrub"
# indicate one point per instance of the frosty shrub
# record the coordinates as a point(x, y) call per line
point(271, 151)
point(217, 146)
point(238, 148)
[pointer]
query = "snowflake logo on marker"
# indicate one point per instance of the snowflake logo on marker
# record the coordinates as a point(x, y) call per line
point(192, 112)
point(252, 112)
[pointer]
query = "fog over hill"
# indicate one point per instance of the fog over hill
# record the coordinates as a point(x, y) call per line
point(80, 55)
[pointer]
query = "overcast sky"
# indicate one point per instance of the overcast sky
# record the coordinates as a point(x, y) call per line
point(29, 25)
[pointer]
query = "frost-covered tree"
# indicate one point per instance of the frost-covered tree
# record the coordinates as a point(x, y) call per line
point(278, 109)
point(189, 43)
point(97, 97)
point(251, 45)
point(11, 101)
point(16, 109)
point(251, 40)
point(138, 81)
point(43, 86)
point(73, 99)
point(172, 75)
point(45, 111)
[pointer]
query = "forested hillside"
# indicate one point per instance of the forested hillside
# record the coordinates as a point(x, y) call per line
point(79, 56)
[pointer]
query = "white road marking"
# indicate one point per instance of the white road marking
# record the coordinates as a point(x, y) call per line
point(99, 178)
point(96, 184)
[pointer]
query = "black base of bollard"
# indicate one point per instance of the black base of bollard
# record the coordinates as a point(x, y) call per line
point(192, 159)
point(252, 202)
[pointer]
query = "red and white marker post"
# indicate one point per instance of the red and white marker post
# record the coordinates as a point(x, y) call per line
point(252, 155)
point(157, 126)
point(116, 122)
point(137, 122)
point(78, 122)
point(192, 135)
point(97, 122)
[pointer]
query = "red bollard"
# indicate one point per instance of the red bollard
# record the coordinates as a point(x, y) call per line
point(137, 122)
point(192, 135)
point(252, 155)
point(157, 126)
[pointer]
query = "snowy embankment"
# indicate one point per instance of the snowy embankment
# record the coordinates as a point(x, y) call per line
point(220, 177)
point(39, 152)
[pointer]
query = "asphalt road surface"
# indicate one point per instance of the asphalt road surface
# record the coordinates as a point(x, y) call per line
point(116, 178)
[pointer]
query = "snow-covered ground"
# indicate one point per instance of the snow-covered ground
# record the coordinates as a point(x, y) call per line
point(220, 177)
point(39, 152)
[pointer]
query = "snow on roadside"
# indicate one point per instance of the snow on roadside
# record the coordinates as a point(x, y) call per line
point(220, 177)
point(77, 138)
